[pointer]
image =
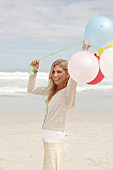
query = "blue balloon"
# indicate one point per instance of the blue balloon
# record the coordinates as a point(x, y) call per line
point(99, 32)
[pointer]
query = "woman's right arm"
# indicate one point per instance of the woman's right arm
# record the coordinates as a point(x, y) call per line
point(32, 88)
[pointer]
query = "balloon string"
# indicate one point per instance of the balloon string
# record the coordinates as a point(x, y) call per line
point(61, 50)
point(32, 67)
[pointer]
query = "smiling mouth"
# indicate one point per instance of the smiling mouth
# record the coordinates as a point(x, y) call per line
point(56, 79)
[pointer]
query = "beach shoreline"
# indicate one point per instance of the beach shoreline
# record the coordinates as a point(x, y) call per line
point(18, 117)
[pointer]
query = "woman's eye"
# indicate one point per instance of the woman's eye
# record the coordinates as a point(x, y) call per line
point(53, 72)
point(59, 71)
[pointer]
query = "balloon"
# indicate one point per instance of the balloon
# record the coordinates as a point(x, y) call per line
point(99, 32)
point(101, 50)
point(99, 76)
point(106, 63)
point(83, 67)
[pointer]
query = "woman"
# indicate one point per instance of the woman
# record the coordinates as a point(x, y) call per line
point(60, 95)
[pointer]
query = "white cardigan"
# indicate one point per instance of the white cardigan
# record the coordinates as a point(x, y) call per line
point(57, 107)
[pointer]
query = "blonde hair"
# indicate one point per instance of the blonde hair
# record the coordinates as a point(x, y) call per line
point(51, 88)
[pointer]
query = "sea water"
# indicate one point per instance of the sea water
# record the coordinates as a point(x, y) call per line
point(14, 95)
point(15, 83)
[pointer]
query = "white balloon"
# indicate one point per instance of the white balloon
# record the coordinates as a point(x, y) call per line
point(106, 63)
point(83, 67)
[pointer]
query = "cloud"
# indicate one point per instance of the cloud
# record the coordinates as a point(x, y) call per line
point(48, 20)
point(31, 28)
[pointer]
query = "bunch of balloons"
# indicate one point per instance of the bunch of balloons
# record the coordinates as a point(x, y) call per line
point(85, 67)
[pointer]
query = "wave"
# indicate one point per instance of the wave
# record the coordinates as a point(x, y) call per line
point(16, 83)
point(20, 75)
point(95, 88)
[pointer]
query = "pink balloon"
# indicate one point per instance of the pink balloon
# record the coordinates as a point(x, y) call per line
point(83, 67)
point(99, 76)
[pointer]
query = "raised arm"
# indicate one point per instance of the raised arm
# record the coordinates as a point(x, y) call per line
point(32, 88)
point(85, 46)
point(70, 92)
point(71, 86)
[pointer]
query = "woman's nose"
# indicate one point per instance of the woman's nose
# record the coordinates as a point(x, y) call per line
point(56, 74)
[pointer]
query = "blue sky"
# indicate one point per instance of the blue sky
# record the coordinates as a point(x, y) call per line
point(36, 28)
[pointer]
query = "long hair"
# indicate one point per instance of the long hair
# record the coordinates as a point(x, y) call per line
point(51, 88)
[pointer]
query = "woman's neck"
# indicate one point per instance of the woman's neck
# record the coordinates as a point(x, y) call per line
point(60, 87)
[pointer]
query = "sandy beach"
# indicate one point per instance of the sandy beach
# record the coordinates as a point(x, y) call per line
point(90, 141)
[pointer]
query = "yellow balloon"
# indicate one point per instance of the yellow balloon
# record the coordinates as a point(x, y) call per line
point(101, 50)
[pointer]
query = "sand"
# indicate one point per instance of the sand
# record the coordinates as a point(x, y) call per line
point(90, 141)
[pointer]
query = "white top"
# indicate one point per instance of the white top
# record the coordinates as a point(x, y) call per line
point(51, 136)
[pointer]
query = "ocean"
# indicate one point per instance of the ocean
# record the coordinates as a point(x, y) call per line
point(15, 83)
point(13, 93)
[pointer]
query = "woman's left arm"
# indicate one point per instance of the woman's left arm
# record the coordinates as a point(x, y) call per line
point(71, 86)
point(70, 92)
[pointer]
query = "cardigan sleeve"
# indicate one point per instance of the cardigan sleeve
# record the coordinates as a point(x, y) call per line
point(32, 88)
point(70, 92)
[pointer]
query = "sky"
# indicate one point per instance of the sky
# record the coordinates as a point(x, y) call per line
point(31, 29)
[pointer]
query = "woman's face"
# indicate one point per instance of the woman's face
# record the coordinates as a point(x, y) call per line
point(59, 76)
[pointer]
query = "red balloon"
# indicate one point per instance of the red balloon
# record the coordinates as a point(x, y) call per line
point(99, 76)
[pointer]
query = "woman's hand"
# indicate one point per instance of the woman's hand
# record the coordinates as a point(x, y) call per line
point(35, 63)
point(85, 46)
